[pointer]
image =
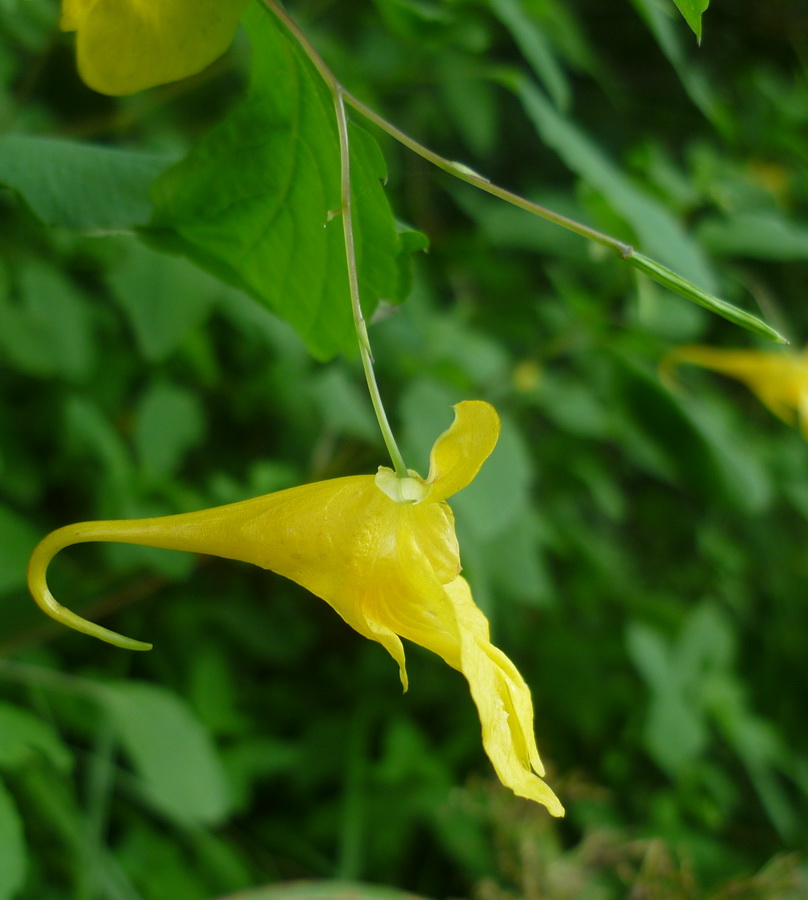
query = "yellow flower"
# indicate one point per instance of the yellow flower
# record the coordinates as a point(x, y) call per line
point(780, 380)
point(124, 46)
point(382, 551)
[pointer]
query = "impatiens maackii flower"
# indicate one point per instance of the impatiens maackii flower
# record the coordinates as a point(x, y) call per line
point(780, 380)
point(125, 46)
point(382, 551)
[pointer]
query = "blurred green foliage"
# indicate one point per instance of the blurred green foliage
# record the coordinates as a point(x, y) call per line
point(640, 552)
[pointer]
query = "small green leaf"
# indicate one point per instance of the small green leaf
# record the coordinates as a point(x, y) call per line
point(164, 297)
point(692, 11)
point(25, 736)
point(80, 186)
point(169, 423)
point(171, 752)
point(667, 33)
point(687, 289)
point(45, 330)
point(257, 201)
point(13, 856)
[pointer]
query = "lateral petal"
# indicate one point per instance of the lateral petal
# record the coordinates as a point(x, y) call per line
point(460, 451)
point(503, 702)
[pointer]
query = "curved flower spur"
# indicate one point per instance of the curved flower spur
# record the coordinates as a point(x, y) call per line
point(382, 551)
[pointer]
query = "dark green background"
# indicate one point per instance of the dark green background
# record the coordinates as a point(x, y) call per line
point(641, 553)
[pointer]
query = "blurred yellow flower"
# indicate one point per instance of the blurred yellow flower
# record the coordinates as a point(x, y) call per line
point(125, 46)
point(382, 551)
point(779, 379)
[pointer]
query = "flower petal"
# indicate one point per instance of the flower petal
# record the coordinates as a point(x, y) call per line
point(125, 46)
point(460, 451)
point(780, 380)
point(503, 703)
point(344, 540)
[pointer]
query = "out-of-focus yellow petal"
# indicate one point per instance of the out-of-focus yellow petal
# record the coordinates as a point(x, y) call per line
point(460, 451)
point(73, 11)
point(125, 46)
point(779, 380)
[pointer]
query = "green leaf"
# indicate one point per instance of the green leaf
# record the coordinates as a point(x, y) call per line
point(692, 11)
point(535, 47)
point(343, 406)
point(13, 856)
point(25, 736)
point(164, 297)
point(171, 752)
point(757, 235)
point(169, 423)
point(46, 330)
point(690, 291)
point(694, 80)
point(257, 201)
point(80, 186)
point(675, 731)
point(679, 444)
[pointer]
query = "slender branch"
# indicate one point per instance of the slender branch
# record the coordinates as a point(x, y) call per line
point(458, 170)
point(464, 173)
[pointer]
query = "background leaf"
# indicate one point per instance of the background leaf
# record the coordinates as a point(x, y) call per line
point(172, 754)
point(80, 186)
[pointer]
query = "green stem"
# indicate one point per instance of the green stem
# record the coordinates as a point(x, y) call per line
point(347, 228)
point(353, 284)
